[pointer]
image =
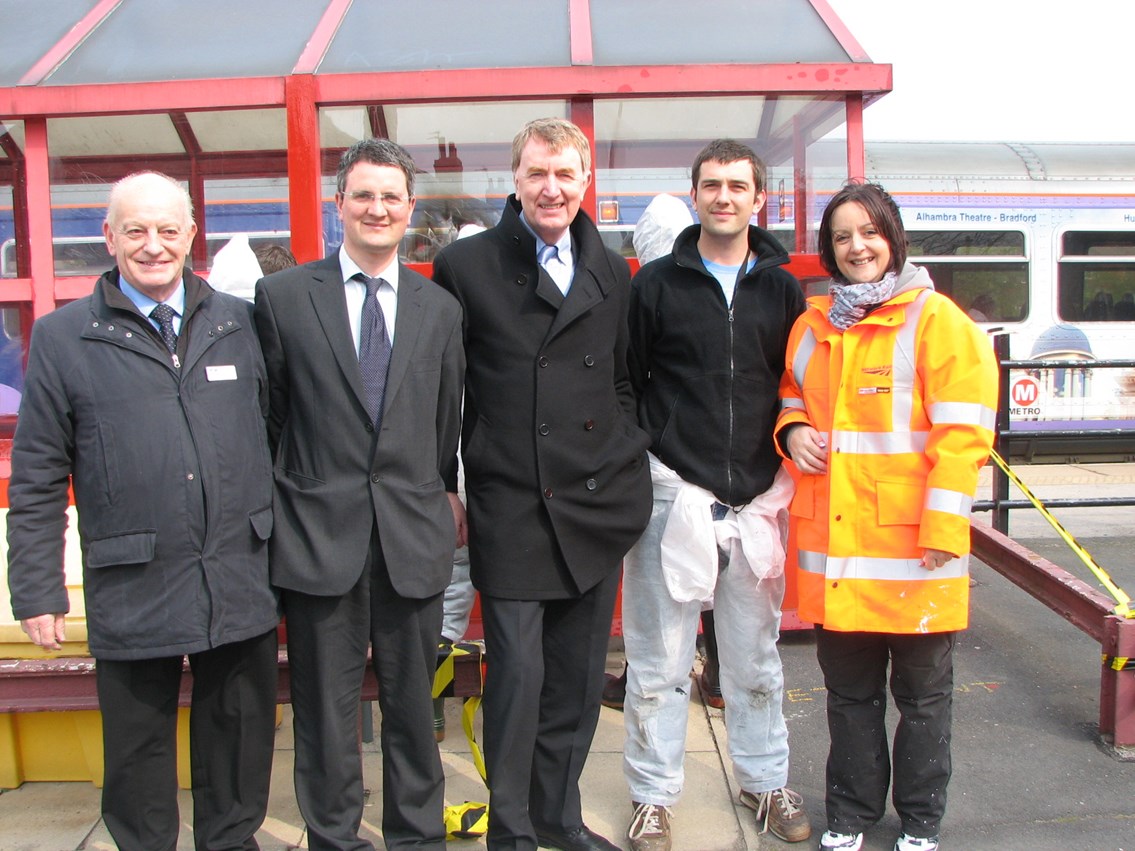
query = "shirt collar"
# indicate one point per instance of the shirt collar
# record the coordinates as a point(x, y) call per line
point(563, 245)
point(145, 304)
point(350, 268)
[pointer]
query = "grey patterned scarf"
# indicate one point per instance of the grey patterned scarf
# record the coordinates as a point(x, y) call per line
point(850, 301)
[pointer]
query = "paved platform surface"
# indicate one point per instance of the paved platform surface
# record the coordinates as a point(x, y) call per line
point(1029, 773)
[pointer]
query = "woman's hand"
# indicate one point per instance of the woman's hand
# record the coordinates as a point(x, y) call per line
point(933, 559)
point(807, 449)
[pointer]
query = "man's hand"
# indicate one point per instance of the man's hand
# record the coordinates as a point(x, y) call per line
point(45, 630)
point(459, 520)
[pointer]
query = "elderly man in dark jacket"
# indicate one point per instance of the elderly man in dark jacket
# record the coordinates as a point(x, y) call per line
point(149, 398)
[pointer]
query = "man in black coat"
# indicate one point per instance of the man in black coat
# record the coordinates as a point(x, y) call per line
point(149, 397)
point(555, 475)
point(365, 531)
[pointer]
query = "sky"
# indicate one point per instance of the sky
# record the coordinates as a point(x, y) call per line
point(1000, 70)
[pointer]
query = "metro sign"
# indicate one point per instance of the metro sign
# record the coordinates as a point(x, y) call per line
point(1025, 397)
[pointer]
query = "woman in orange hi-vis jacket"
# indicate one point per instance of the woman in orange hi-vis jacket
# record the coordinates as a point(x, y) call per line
point(888, 406)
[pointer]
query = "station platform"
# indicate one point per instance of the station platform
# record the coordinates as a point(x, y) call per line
point(1029, 772)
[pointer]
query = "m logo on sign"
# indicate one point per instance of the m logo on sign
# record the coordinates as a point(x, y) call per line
point(1024, 397)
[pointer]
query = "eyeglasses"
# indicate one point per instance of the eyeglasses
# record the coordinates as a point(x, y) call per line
point(166, 233)
point(390, 200)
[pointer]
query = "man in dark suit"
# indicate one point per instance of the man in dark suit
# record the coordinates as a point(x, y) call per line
point(365, 366)
point(555, 476)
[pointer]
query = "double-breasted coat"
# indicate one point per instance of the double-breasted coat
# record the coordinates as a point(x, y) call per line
point(555, 465)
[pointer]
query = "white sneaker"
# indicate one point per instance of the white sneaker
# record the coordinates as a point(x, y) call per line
point(831, 841)
point(906, 842)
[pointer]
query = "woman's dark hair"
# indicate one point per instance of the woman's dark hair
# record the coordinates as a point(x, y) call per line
point(884, 214)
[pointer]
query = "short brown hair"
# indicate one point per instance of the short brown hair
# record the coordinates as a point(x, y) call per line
point(884, 214)
point(729, 151)
point(557, 134)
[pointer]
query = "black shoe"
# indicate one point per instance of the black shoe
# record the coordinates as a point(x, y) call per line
point(615, 690)
point(577, 839)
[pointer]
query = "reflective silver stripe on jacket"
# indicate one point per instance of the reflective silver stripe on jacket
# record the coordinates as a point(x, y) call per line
point(904, 368)
point(803, 355)
point(948, 501)
point(879, 568)
point(879, 442)
point(963, 413)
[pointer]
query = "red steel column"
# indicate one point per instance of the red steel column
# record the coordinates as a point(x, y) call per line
point(40, 248)
point(304, 168)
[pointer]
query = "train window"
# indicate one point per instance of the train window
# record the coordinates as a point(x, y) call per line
point(985, 272)
point(11, 365)
point(1097, 276)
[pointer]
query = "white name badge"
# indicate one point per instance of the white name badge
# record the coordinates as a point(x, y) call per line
point(227, 372)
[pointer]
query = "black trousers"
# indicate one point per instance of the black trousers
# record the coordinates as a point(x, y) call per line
point(859, 768)
point(232, 726)
point(543, 687)
point(328, 639)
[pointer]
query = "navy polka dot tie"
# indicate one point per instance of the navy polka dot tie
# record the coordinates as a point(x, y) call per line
point(374, 350)
point(164, 314)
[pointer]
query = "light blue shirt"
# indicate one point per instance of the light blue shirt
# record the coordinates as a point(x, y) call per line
point(145, 304)
point(727, 276)
point(560, 267)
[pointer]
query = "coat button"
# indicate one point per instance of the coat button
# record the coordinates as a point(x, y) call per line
point(522, 280)
point(588, 425)
point(592, 484)
point(543, 361)
point(190, 477)
point(544, 430)
point(588, 360)
point(374, 478)
point(547, 493)
point(369, 426)
point(109, 327)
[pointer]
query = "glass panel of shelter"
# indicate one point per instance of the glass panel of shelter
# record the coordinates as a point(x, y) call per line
point(642, 151)
point(464, 155)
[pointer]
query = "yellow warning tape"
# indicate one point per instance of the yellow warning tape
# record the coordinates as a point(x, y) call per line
point(443, 679)
point(1123, 607)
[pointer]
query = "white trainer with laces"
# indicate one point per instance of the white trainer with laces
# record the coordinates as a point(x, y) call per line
point(906, 842)
point(832, 841)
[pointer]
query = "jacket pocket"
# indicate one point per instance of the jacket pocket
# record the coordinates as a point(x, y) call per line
point(130, 548)
point(899, 503)
point(804, 500)
point(262, 521)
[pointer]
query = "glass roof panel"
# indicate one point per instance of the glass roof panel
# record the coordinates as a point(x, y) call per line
point(451, 34)
point(240, 129)
point(30, 29)
point(107, 135)
point(147, 40)
point(650, 32)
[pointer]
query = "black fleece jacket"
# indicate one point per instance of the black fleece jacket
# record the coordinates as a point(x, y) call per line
point(705, 373)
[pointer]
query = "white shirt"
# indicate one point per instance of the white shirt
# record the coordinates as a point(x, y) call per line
point(356, 292)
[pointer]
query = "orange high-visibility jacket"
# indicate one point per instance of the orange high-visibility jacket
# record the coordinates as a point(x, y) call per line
point(906, 400)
